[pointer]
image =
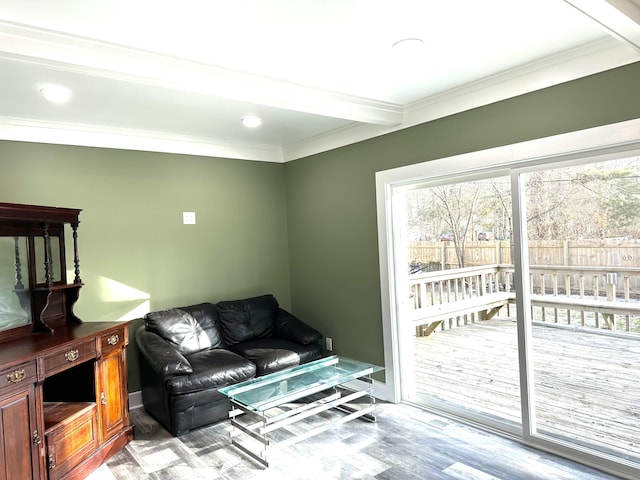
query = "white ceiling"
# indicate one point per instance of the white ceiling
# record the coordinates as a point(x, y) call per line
point(177, 77)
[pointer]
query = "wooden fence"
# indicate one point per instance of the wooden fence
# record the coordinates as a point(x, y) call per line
point(619, 256)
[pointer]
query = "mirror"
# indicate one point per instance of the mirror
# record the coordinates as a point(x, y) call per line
point(34, 294)
point(56, 274)
point(15, 297)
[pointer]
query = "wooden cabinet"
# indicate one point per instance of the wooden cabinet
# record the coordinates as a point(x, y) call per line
point(63, 382)
point(71, 435)
point(64, 405)
point(111, 376)
point(20, 434)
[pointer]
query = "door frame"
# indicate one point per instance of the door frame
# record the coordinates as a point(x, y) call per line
point(595, 143)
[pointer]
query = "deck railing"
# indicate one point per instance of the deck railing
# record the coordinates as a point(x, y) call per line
point(590, 297)
point(452, 298)
point(587, 296)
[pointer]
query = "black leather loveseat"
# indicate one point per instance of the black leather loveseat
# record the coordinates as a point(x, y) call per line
point(188, 353)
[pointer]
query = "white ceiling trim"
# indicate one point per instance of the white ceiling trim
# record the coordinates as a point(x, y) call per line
point(90, 57)
point(59, 133)
point(621, 18)
point(552, 70)
point(570, 65)
point(576, 63)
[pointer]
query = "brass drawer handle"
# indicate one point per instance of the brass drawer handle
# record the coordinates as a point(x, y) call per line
point(16, 376)
point(113, 339)
point(72, 355)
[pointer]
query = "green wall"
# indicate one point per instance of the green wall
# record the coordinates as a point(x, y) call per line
point(332, 205)
point(135, 253)
point(304, 231)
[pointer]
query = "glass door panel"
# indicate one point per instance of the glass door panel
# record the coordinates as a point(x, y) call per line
point(455, 291)
point(583, 228)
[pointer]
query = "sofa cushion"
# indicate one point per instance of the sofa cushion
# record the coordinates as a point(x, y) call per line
point(190, 329)
point(269, 360)
point(306, 353)
point(291, 328)
point(162, 358)
point(213, 368)
point(247, 319)
point(193, 410)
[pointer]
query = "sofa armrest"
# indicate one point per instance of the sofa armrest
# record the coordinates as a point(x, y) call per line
point(292, 328)
point(160, 356)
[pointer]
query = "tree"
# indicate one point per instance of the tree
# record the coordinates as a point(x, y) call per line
point(594, 200)
point(459, 202)
point(461, 210)
point(549, 194)
point(616, 193)
point(600, 200)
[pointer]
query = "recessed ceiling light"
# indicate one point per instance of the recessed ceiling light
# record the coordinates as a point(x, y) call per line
point(56, 93)
point(408, 45)
point(251, 121)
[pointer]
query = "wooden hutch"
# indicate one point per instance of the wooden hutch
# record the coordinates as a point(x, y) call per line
point(63, 382)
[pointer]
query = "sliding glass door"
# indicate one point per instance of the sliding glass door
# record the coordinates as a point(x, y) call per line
point(517, 301)
point(583, 237)
point(460, 346)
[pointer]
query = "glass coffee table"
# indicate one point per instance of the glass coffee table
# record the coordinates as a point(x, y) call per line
point(265, 405)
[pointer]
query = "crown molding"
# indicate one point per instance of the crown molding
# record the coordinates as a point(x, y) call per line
point(371, 118)
point(588, 59)
point(570, 65)
point(59, 133)
point(620, 18)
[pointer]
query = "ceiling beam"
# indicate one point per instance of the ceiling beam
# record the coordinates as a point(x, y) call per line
point(95, 58)
point(621, 18)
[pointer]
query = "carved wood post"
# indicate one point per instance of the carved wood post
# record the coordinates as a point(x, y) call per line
point(19, 284)
point(76, 259)
point(48, 273)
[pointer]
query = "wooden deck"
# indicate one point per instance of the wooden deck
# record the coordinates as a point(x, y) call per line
point(587, 384)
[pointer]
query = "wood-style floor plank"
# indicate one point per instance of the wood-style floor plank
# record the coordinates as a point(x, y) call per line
point(406, 443)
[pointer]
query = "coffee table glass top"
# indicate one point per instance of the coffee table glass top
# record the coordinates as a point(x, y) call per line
point(262, 393)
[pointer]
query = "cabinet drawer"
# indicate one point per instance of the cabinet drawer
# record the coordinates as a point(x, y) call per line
point(114, 339)
point(25, 373)
point(69, 357)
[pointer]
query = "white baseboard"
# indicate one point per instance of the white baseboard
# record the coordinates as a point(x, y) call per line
point(382, 392)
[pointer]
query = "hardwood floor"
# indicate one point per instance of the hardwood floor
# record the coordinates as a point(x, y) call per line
point(405, 443)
